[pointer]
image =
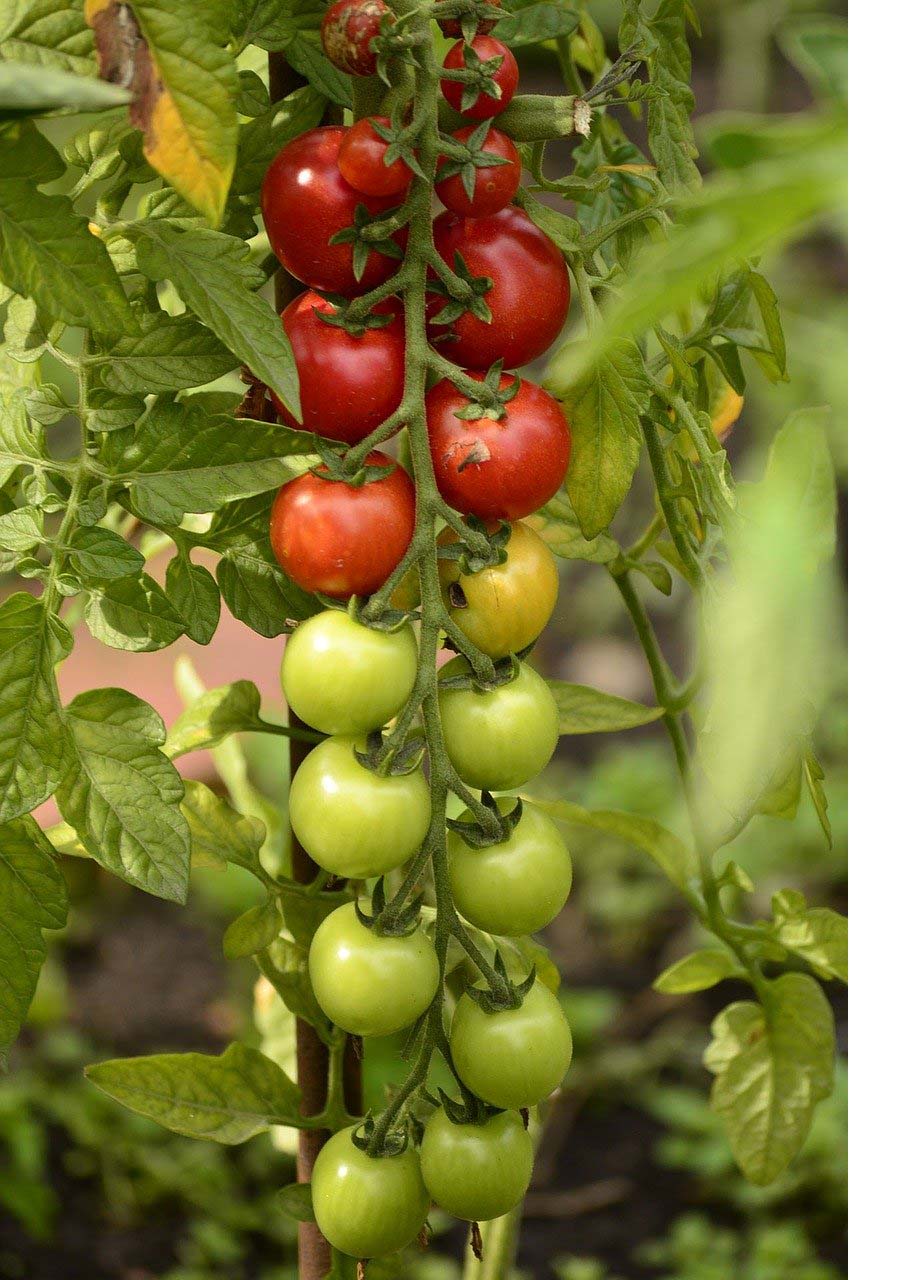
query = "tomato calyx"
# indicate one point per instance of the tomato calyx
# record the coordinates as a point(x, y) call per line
point(394, 1143)
point(400, 924)
point(504, 672)
point(333, 468)
point(390, 764)
point(493, 404)
point(341, 315)
point(370, 232)
point(400, 136)
point(471, 1110)
point(469, 17)
point(477, 77)
point(473, 299)
point(465, 158)
point(506, 994)
point(470, 559)
point(475, 835)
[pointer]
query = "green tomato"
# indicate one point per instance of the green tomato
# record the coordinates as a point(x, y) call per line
point(516, 886)
point(355, 823)
point(476, 1171)
point(513, 1058)
point(499, 739)
point(342, 677)
point(367, 1206)
point(366, 983)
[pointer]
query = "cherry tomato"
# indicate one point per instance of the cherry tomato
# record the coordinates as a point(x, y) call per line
point(348, 29)
point(476, 1171)
point(529, 299)
point(516, 886)
point(361, 160)
point(494, 185)
point(348, 384)
point(351, 821)
point(305, 201)
point(367, 1206)
point(451, 27)
point(342, 677)
point(514, 1058)
point(498, 468)
point(340, 539)
point(368, 984)
point(503, 609)
point(506, 77)
point(499, 739)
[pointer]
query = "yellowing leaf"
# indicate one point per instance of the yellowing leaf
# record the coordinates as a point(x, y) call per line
point(184, 84)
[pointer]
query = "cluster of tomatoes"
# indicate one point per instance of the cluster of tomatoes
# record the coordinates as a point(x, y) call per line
point(359, 810)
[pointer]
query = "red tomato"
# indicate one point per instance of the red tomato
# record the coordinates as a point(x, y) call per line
point(486, 47)
point(451, 27)
point(530, 294)
point(494, 187)
point(361, 159)
point(305, 201)
point(348, 385)
point(332, 537)
point(348, 28)
point(498, 469)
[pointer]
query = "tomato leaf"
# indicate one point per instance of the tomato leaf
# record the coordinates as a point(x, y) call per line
point(296, 1200)
point(194, 593)
point(231, 708)
point(167, 354)
point(534, 23)
point(557, 525)
point(132, 614)
point(253, 931)
point(227, 1099)
point(219, 835)
point(817, 935)
point(48, 34)
point(584, 710)
point(697, 972)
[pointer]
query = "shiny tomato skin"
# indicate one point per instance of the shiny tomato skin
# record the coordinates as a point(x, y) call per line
point(517, 886)
point(348, 27)
point(362, 164)
point(340, 539)
point(499, 739)
point(503, 608)
point(516, 1057)
point(494, 186)
point(367, 1206)
point(530, 296)
point(486, 106)
point(366, 983)
point(348, 384)
point(343, 677)
point(498, 468)
point(451, 27)
point(305, 201)
point(476, 1171)
point(350, 820)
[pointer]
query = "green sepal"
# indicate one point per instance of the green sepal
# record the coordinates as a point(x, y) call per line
point(473, 834)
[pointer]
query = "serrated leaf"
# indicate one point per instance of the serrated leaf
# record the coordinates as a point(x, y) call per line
point(133, 614)
point(697, 972)
point(585, 710)
point(815, 779)
point(26, 332)
point(31, 737)
point(817, 934)
point(194, 593)
point(254, 588)
point(185, 83)
point(603, 408)
point(122, 795)
point(769, 309)
point(557, 524)
point(48, 253)
point(227, 1099)
point(231, 708)
point(21, 530)
point(674, 858)
point(218, 833)
point(216, 276)
point(21, 444)
point(296, 1200)
point(253, 931)
point(32, 897)
point(168, 353)
point(305, 55)
point(534, 23)
point(49, 34)
point(272, 24)
point(100, 553)
point(774, 1063)
point(192, 460)
point(25, 152)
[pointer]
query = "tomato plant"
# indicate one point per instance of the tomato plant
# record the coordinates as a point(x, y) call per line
point(145, 370)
